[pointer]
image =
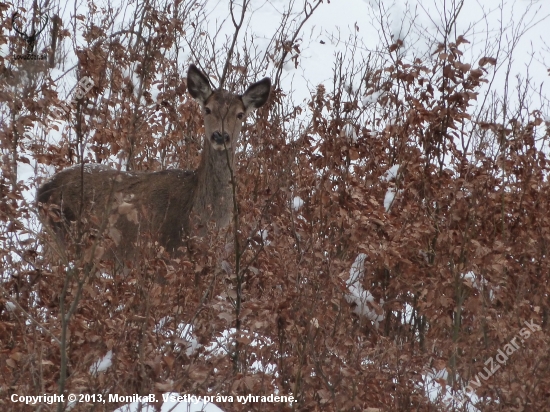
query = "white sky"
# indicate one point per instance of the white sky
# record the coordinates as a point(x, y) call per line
point(417, 23)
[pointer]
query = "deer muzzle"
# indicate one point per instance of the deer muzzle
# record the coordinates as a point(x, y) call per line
point(220, 138)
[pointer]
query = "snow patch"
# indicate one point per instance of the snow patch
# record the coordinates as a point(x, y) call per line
point(102, 364)
point(183, 331)
point(349, 131)
point(371, 98)
point(357, 270)
point(359, 296)
point(388, 199)
point(263, 234)
point(480, 283)
point(10, 307)
point(297, 203)
point(438, 395)
point(390, 174)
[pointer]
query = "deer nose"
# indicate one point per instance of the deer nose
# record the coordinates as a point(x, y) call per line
point(220, 138)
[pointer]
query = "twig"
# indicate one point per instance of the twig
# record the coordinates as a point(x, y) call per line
point(286, 50)
point(235, 35)
point(29, 316)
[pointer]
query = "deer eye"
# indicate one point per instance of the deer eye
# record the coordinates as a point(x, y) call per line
point(207, 110)
point(240, 115)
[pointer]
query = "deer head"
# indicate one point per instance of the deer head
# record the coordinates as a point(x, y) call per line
point(224, 112)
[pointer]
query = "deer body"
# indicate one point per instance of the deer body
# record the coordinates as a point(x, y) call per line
point(161, 203)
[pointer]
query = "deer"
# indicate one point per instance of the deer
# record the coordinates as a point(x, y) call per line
point(163, 201)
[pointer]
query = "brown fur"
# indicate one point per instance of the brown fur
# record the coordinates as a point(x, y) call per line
point(161, 202)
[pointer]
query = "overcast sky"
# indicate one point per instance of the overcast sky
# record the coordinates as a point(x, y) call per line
point(417, 23)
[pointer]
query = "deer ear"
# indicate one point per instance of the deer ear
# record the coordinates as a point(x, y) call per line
point(256, 95)
point(198, 84)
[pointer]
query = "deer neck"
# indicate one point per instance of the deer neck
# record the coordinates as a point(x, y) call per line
point(214, 194)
